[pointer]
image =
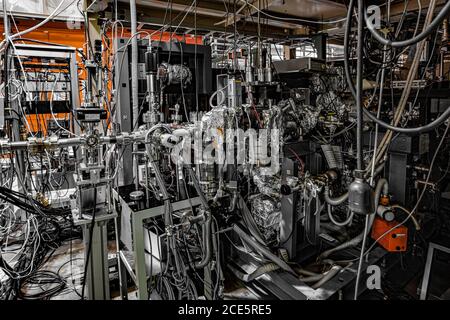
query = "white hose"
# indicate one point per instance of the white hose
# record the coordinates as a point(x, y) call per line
point(327, 277)
point(382, 186)
point(413, 218)
point(340, 224)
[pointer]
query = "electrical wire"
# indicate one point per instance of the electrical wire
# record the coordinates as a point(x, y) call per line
point(293, 19)
point(416, 206)
point(443, 13)
point(413, 131)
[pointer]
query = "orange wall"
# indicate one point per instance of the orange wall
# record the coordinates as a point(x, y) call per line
point(56, 32)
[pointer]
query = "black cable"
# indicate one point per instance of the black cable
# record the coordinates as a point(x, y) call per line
point(425, 33)
point(48, 231)
point(39, 278)
point(359, 91)
point(412, 131)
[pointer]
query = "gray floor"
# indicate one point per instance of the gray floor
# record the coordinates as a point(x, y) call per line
point(68, 260)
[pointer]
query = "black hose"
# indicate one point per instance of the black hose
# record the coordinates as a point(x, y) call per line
point(359, 91)
point(206, 233)
point(262, 250)
point(425, 33)
point(348, 28)
point(206, 227)
point(381, 184)
point(198, 188)
point(410, 131)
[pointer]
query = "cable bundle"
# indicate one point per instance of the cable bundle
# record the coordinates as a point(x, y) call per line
point(43, 231)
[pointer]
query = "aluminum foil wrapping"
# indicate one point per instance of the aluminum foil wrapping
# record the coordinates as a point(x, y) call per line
point(212, 127)
point(317, 85)
point(266, 183)
point(334, 80)
point(216, 118)
point(329, 101)
point(305, 116)
point(175, 74)
point(327, 88)
point(309, 118)
point(213, 122)
point(267, 215)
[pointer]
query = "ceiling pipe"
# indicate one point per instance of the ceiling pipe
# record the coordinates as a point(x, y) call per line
point(216, 14)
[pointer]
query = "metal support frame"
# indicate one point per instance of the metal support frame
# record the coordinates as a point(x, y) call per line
point(123, 110)
point(134, 262)
point(320, 43)
point(397, 175)
point(288, 229)
point(400, 152)
point(15, 134)
point(97, 277)
point(311, 222)
point(59, 52)
point(39, 51)
point(426, 276)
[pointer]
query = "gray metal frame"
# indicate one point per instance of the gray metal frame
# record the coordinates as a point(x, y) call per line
point(97, 276)
point(136, 259)
point(49, 51)
point(426, 275)
point(41, 51)
point(289, 216)
point(123, 108)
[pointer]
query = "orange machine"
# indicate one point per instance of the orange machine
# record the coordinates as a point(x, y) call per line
point(394, 241)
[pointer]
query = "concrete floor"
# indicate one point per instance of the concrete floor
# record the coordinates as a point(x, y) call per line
point(68, 260)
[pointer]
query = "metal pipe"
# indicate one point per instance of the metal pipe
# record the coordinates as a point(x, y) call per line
point(206, 234)
point(207, 225)
point(5, 20)
point(327, 277)
point(380, 103)
point(382, 186)
point(260, 59)
point(134, 79)
point(8, 146)
point(359, 90)
point(262, 250)
point(334, 201)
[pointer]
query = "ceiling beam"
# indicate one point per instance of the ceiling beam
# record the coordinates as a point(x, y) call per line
point(183, 7)
point(205, 8)
point(249, 12)
point(154, 17)
point(231, 18)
